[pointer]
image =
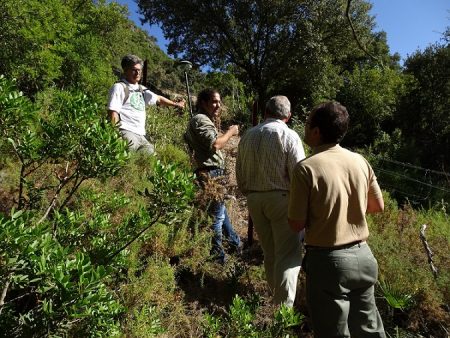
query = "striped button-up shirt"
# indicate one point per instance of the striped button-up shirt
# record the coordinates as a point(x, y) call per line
point(267, 155)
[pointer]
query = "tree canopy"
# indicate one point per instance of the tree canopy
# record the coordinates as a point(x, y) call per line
point(74, 44)
point(298, 47)
point(424, 114)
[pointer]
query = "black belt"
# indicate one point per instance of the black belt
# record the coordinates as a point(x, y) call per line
point(339, 247)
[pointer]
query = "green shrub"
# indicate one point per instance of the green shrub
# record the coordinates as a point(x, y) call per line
point(241, 314)
point(150, 288)
point(51, 285)
point(60, 150)
point(50, 289)
point(286, 320)
point(165, 126)
point(397, 299)
point(145, 322)
point(241, 321)
point(212, 326)
point(171, 154)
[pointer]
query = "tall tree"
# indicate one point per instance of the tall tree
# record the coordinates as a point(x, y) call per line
point(298, 45)
point(371, 95)
point(424, 113)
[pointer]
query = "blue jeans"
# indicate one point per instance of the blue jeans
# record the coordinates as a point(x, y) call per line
point(221, 223)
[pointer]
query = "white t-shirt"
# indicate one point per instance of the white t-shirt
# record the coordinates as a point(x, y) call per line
point(132, 112)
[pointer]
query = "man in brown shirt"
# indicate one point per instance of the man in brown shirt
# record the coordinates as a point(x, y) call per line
point(331, 191)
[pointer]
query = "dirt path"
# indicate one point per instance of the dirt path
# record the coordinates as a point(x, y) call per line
point(237, 207)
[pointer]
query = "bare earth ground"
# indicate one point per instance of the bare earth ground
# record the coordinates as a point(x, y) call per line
point(237, 207)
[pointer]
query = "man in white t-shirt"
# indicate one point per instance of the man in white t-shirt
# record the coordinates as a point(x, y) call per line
point(127, 102)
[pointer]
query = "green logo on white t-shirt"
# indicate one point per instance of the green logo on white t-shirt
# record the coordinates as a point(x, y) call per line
point(137, 101)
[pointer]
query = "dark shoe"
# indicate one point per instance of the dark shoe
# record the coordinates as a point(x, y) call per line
point(221, 260)
point(218, 258)
point(237, 250)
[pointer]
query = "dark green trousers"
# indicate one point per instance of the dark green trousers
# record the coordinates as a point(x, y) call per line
point(340, 292)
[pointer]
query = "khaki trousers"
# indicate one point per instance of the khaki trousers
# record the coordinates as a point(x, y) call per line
point(137, 142)
point(281, 246)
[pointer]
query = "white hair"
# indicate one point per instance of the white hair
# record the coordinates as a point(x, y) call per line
point(278, 107)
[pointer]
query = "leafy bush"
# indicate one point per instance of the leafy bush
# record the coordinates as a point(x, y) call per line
point(241, 316)
point(49, 289)
point(172, 189)
point(52, 287)
point(171, 154)
point(285, 322)
point(397, 299)
point(59, 151)
point(165, 126)
point(146, 323)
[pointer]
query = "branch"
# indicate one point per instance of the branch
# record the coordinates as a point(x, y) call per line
point(21, 201)
point(19, 297)
point(447, 177)
point(63, 180)
point(72, 191)
point(355, 36)
point(4, 292)
point(52, 204)
point(38, 164)
point(428, 250)
point(133, 239)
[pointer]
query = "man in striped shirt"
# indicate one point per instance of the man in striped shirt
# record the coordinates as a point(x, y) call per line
point(267, 155)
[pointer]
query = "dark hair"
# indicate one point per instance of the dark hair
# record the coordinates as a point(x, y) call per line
point(204, 96)
point(130, 60)
point(332, 120)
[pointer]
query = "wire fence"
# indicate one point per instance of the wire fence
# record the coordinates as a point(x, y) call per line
point(411, 183)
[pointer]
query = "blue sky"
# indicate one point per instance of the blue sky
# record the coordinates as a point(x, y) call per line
point(409, 24)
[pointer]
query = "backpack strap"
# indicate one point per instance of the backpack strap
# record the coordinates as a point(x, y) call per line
point(127, 90)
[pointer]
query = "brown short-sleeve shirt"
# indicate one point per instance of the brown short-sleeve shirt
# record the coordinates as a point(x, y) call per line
point(329, 190)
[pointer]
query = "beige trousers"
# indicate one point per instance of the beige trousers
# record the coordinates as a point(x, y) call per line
point(281, 246)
